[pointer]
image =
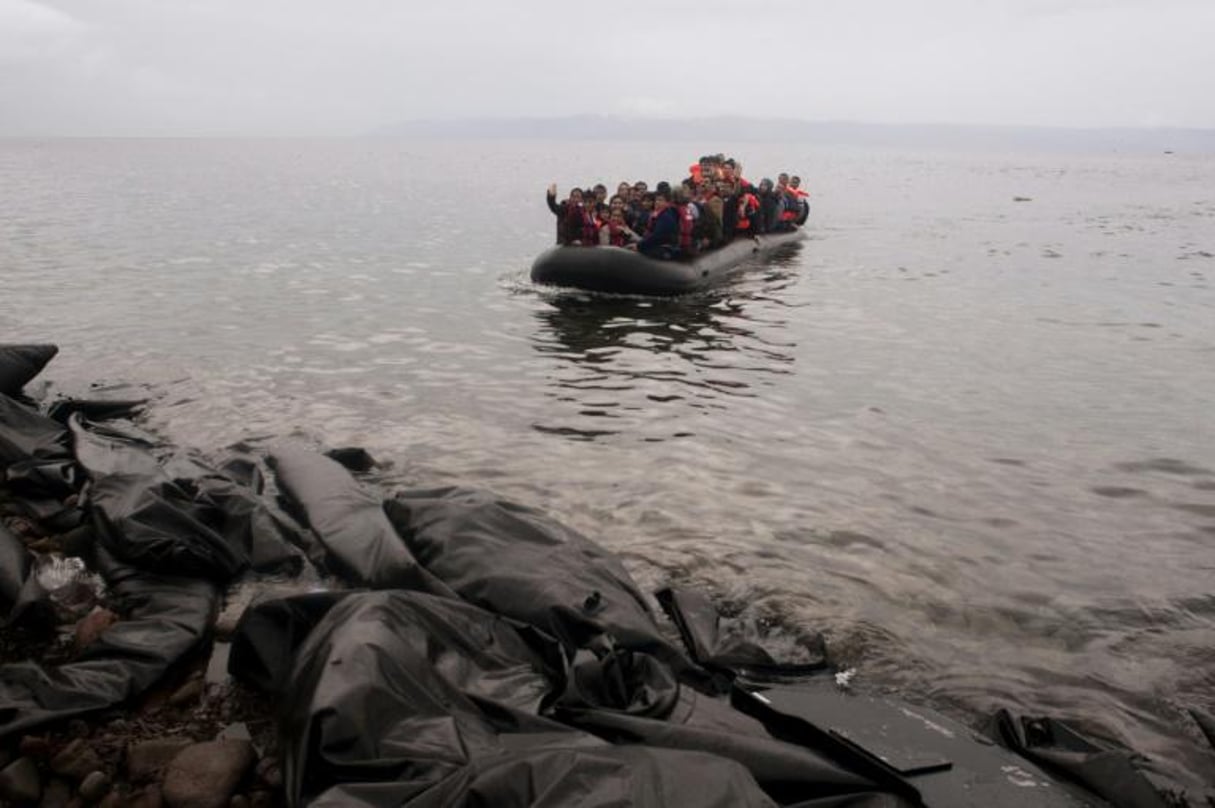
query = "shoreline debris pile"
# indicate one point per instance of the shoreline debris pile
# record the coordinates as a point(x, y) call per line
point(269, 630)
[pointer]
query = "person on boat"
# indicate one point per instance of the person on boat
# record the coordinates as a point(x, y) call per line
point(600, 193)
point(639, 216)
point(562, 210)
point(746, 221)
point(769, 206)
point(710, 216)
point(685, 205)
point(803, 199)
point(617, 233)
point(662, 239)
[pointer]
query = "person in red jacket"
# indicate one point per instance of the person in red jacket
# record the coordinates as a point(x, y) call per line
point(616, 233)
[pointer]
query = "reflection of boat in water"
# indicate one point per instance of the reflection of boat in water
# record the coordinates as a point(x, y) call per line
point(621, 271)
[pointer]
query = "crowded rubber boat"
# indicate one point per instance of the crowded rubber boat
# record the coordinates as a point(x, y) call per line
point(674, 239)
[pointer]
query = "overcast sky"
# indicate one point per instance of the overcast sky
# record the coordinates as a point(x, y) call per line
point(319, 67)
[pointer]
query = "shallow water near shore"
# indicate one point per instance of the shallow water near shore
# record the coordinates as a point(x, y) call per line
point(968, 438)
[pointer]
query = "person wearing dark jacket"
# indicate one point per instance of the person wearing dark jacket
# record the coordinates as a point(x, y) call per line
point(662, 240)
point(562, 211)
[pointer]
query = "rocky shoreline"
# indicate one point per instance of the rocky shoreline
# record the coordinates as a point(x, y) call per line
point(198, 738)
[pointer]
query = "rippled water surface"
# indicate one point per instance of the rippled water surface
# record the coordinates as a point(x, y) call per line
point(970, 439)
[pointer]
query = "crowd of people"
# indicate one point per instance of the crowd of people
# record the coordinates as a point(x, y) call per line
point(709, 208)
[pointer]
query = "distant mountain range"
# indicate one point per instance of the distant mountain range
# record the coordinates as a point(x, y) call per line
point(738, 128)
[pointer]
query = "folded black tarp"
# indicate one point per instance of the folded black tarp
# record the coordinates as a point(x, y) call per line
point(401, 698)
point(35, 452)
point(182, 518)
point(163, 617)
point(517, 562)
point(21, 596)
point(21, 363)
point(360, 543)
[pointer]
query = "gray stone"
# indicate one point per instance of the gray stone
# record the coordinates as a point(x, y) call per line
point(19, 781)
point(261, 799)
point(76, 761)
point(149, 797)
point(56, 794)
point(269, 772)
point(34, 746)
point(187, 694)
point(205, 775)
point(146, 759)
point(95, 786)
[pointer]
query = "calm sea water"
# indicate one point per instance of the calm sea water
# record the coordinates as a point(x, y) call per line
point(968, 438)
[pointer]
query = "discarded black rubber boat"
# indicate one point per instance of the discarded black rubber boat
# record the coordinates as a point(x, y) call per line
point(620, 271)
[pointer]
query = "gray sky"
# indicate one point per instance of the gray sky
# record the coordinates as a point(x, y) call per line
point(307, 67)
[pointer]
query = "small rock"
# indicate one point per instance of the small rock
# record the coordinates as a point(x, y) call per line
point(78, 728)
point(146, 759)
point(95, 786)
point(34, 746)
point(57, 794)
point(93, 626)
point(45, 545)
point(205, 775)
point(269, 772)
point(25, 528)
point(76, 761)
point(187, 694)
point(115, 799)
point(19, 781)
point(149, 797)
point(239, 801)
point(261, 799)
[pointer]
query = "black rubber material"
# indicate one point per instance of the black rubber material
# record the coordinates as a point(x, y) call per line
point(619, 271)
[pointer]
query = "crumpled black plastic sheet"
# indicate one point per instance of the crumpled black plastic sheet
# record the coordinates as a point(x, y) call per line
point(19, 364)
point(238, 510)
point(515, 561)
point(641, 702)
point(402, 698)
point(201, 524)
point(164, 617)
point(35, 452)
point(349, 520)
point(22, 598)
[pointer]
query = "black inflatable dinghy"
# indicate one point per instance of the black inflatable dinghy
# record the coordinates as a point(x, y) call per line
point(621, 271)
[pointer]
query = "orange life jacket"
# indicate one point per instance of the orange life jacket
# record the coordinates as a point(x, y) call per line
point(748, 204)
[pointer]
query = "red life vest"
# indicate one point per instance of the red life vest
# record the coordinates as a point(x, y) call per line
point(590, 229)
point(617, 237)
